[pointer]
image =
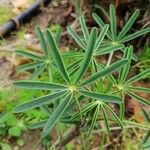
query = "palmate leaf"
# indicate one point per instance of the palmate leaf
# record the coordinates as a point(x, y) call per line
point(39, 85)
point(56, 55)
point(29, 66)
point(56, 114)
point(77, 38)
point(29, 55)
point(38, 101)
point(135, 35)
point(42, 41)
point(94, 118)
point(101, 24)
point(125, 70)
point(88, 55)
point(138, 98)
point(114, 115)
point(138, 77)
point(128, 25)
point(101, 97)
point(84, 29)
point(104, 72)
point(113, 21)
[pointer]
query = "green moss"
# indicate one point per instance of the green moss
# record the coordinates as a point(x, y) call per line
point(5, 14)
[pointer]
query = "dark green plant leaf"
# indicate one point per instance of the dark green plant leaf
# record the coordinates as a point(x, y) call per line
point(125, 70)
point(88, 55)
point(138, 98)
point(135, 35)
point(128, 25)
point(38, 101)
point(77, 38)
point(138, 77)
point(56, 114)
point(112, 14)
point(104, 72)
point(39, 85)
point(29, 55)
point(57, 56)
point(84, 29)
point(146, 116)
point(101, 24)
point(94, 118)
point(42, 41)
point(39, 124)
point(58, 35)
point(101, 97)
point(145, 140)
point(29, 66)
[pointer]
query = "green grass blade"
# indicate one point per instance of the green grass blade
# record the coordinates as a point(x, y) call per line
point(101, 97)
point(38, 102)
point(36, 125)
point(106, 120)
point(58, 35)
point(42, 41)
point(77, 38)
point(114, 116)
point(138, 98)
point(29, 55)
point(128, 25)
point(139, 89)
point(140, 76)
point(38, 71)
point(57, 56)
point(108, 49)
point(113, 26)
point(39, 85)
point(104, 72)
point(94, 118)
point(84, 29)
point(56, 114)
point(135, 35)
point(125, 70)
point(146, 115)
point(101, 37)
point(101, 24)
point(88, 55)
point(29, 66)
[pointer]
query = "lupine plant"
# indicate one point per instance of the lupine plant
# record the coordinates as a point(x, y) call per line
point(84, 91)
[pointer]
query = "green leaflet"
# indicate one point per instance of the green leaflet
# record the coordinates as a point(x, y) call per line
point(77, 38)
point(138, 98)
point(128, 25)
point(29, 66)
point(42, 41)
point(84, 29)
point(138, 89)
point(146, 116)
point(57, 56)
point(38, 101)
point(56, 114)
point(29, 55)
point(58, 35)
point(104, 72)
point(88, 54)
point(125, 70)
point(101, 24)
point(39, 85)
point(142, 75)
point(101, 97)
point(36, 125)
point(113, 21)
